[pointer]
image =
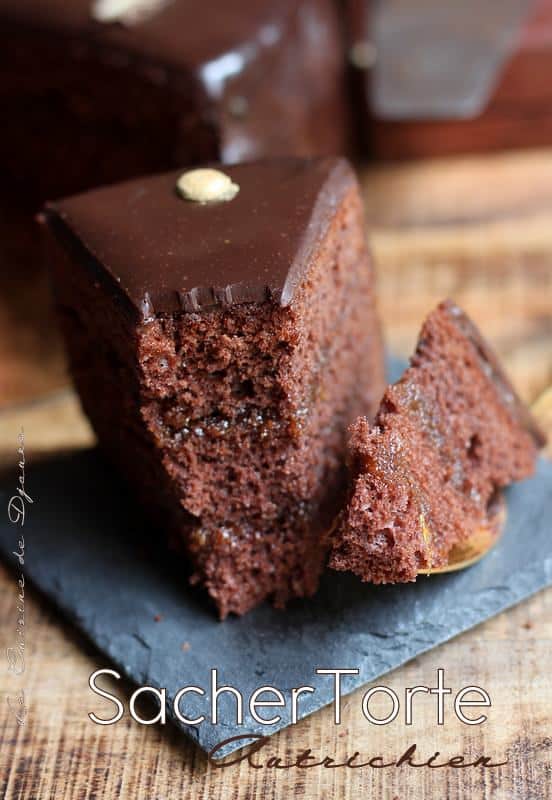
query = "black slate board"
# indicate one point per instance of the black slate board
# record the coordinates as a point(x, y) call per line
point(81, 553)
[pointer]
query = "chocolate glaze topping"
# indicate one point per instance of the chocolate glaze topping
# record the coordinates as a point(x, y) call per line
point(166, 254)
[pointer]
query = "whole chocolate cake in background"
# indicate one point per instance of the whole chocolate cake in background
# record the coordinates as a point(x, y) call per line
point(221, 349)
point(447, 437)
point(97, 91)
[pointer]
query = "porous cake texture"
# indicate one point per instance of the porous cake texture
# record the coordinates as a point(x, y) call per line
point(221, 350)
point(426, 475)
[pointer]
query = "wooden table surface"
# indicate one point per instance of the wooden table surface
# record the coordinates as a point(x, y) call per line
point(491, 250)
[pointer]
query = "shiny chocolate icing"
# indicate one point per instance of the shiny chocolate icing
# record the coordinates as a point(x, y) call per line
point(165, 254)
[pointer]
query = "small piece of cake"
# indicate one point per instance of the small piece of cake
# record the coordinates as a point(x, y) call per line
point(222, 335)
point(448, 435)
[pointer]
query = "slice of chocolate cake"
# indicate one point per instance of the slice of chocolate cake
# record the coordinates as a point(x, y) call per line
point(221, 346)
point(447, 437)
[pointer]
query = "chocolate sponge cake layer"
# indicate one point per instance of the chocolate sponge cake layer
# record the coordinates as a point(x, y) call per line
point(447, 437)
point(221, 350)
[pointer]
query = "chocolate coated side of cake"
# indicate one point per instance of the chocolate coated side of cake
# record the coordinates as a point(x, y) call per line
point(228, 419)
point(446, 438)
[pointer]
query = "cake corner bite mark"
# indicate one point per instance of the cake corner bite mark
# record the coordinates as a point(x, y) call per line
point(227, 419)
